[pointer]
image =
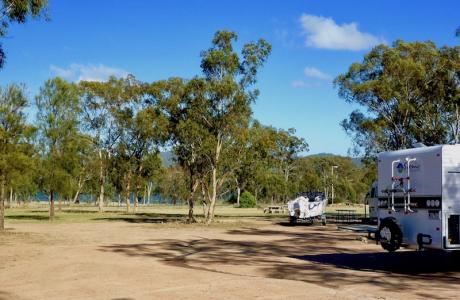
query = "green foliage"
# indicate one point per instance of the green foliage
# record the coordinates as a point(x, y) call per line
point(409, 92)
point(16, 152)
point(208, 114)
point(17, 11)
point(104, 138)
point(58, 108)
point(247, 200)
point(173, 184)
point(126, 129)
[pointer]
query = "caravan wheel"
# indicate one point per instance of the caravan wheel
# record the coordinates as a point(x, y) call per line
point(390, 235)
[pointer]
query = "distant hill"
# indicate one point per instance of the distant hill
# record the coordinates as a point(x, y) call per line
point(322, 154)
point(356, 160)
point(168, 158)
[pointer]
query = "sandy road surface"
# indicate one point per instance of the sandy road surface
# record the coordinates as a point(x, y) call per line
point(117, 260)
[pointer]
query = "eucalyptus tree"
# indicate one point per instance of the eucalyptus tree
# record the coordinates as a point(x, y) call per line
point(224, 102)
point(410, 93)
point(14, 135)
point(149, 176)
point(85, 164)
point(58, 108)
point(17, 11)
point(185, 136)
point(207, 114)
point(142, 128)
point(103, 102)
point(288, 149)
point(173, 184)
point(254, 158)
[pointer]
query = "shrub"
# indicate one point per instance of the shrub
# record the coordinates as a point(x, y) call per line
point(247, 200)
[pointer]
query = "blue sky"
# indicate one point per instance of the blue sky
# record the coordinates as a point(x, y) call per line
point(313, 41)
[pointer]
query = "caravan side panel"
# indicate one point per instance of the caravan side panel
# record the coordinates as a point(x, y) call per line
point(451, 178)
point(425, 172)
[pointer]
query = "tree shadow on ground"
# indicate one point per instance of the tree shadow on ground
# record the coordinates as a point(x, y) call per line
point(27, 217)
point(322, 256)
point(144, 218)
point(79, 211)
point(5, 296)
point(406, 263)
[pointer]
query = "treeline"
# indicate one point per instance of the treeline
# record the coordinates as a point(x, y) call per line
point(104, 139)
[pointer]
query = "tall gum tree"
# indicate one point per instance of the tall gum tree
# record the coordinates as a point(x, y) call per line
point(103, 102)
point(214, 108)
point(58, 108)
point(14, 149)
point(408, 93)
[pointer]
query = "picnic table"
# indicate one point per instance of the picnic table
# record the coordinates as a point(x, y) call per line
point(345, 215)
point(275, 209)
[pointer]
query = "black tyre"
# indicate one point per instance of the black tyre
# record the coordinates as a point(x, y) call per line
point(390, 235)
point(292, 220)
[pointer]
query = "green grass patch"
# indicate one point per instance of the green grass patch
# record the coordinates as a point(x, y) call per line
point(145, 214)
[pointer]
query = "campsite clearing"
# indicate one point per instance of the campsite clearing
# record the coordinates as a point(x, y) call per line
point(254, 258)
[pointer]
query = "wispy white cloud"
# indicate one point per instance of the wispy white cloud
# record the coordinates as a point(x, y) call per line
point(88, 72)
point(305, 84)
point(315, 73)
point(315, 78)
point(325, 33)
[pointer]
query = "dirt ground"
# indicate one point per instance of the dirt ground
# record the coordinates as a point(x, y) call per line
point(260, 260)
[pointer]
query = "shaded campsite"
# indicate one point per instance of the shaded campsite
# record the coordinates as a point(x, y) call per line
point(244, 257)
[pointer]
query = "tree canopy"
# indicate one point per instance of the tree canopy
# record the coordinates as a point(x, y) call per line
point(409, 93)
point(17, 11)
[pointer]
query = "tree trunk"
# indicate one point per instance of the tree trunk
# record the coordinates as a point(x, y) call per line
point(190, 201)
point(10, 198)
point(136, 202)
point(238, 194)
point(101, 182)
point(2, 205)
point(51, 215)
point(60, 204)
point(149, 192)
point(212, 198)
point(77, 194)
point(127, 192)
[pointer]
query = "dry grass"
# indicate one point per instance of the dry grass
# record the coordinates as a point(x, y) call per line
point(226, 215)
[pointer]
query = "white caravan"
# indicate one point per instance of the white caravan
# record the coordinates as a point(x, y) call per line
point(419, 198)
point(308, 207)
point(372, 204)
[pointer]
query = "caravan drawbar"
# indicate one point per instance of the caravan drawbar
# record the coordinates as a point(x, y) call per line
point(419, 198)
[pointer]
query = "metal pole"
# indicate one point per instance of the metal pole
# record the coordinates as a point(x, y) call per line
point(332, 183)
